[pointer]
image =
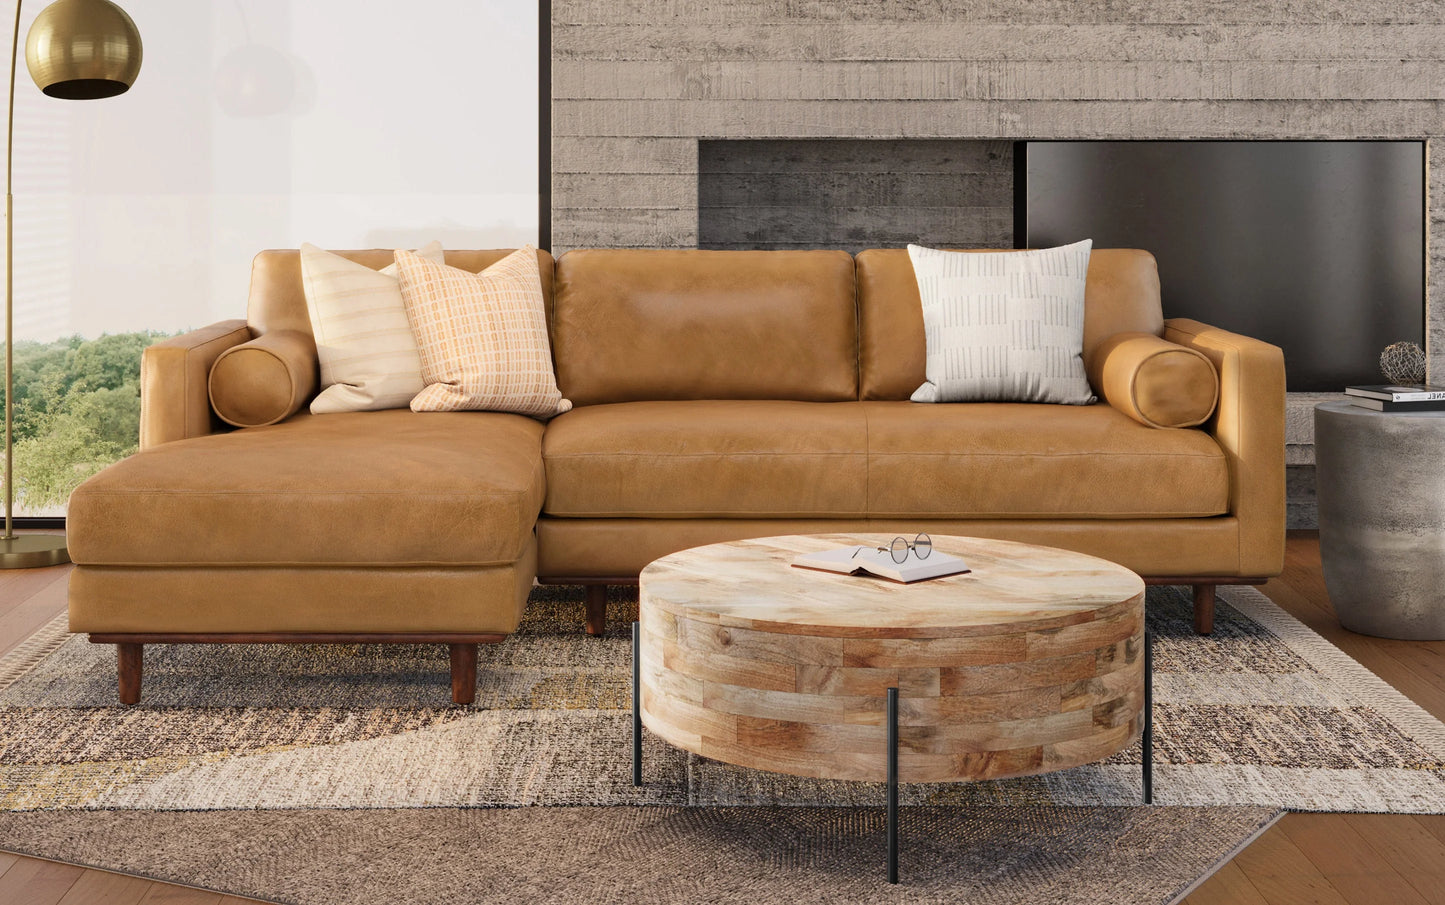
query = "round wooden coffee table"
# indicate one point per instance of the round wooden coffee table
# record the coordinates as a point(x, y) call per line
point(1033, 661)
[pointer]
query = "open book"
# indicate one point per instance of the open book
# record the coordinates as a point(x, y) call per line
point(863, 559)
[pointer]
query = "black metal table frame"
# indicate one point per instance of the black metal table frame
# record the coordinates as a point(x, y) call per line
point(1147, 740)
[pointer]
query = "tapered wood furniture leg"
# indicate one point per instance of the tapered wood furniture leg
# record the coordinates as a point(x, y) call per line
point(1203, 609)
point(597, 609)
point(464, 673)
point(463, 646)
point(129, 658)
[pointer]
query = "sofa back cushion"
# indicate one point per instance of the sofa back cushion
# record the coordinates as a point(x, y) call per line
point(278, 302)
point(1121, 295)
point(633, 325)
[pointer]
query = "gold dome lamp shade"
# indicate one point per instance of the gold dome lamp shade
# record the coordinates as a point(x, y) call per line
point(83, 50)
point(76, 50)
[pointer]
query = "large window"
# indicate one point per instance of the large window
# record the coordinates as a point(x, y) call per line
point(254, 124)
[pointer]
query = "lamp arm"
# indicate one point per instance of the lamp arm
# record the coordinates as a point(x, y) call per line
point(10, 108)
point(10, 286)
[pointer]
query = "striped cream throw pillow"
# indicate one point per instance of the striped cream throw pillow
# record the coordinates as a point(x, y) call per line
point(482, 336)
point(1003, 326)
point(367, 353)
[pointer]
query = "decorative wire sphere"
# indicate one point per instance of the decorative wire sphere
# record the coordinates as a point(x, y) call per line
point(1403, 363)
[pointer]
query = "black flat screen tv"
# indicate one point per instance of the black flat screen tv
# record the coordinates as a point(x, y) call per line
point(1315, 246)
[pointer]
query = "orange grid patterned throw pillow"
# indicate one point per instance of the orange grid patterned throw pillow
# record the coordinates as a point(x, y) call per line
point(482, 336)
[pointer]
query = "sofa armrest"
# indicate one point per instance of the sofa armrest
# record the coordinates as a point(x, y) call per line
point(1249, 426)
point(174, 400)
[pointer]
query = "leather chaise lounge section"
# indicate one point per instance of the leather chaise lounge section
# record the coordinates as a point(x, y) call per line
point(718, 396)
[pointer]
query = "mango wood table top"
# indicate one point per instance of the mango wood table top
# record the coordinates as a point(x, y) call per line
point(1012, 587)
point(1031, 662)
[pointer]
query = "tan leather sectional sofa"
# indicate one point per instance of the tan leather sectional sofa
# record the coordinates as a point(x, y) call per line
point(718, 395)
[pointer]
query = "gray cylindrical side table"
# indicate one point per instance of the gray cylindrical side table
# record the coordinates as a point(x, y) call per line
point(1381, 484)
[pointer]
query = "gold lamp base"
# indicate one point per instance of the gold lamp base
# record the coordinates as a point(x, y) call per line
point(32, 551)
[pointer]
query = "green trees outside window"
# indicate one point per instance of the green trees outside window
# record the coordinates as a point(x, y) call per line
point(77, 409)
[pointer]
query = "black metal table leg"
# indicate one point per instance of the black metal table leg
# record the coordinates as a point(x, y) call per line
point(1148, 741)
point(636, 705)
point(893, 785)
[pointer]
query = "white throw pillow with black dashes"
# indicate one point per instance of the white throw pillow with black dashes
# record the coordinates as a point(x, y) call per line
point(1004, 326)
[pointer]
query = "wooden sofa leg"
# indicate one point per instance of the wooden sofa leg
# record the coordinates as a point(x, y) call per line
point(129, 659)
point(464, 673)
point(597, 609)
point(1203, 609)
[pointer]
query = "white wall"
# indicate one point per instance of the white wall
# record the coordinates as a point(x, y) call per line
point(262, 124)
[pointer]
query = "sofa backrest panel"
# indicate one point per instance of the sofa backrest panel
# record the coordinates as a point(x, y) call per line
point(278, 302)
point(1122, 295)
point(631, 325)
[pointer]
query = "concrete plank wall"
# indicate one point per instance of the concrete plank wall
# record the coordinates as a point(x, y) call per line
point(637, 83)
point(855, 194)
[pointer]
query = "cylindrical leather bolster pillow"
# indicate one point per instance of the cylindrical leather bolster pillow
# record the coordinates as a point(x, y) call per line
point(265, 380)
point(1157, 382)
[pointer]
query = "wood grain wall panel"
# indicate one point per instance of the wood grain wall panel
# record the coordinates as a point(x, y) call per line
point(1138, 12)
point(1001, 80)
point(854, 228)
point(597, 154)
point(630, 190)
point(881, 40)
point(912, 156)
point(618, 227)
point(785, 187)
point(1029, 119)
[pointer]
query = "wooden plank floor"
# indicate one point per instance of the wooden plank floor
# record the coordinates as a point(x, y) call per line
point(1304, 859)
point(1333, 859)
point(29, 598)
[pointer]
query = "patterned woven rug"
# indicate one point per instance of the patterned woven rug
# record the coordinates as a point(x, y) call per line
point(658, 855)
point(327, 775)
point(1263, 713)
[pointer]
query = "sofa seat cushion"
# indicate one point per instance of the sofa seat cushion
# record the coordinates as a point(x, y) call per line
point(723, 458)
point(390, 488)
point(1001, 460)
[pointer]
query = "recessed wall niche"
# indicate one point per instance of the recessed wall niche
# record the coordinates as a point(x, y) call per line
point(855, 194)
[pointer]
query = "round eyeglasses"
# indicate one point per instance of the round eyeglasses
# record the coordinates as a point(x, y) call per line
point(922, 545)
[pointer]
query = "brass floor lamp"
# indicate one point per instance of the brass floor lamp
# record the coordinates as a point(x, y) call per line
point(76, 50)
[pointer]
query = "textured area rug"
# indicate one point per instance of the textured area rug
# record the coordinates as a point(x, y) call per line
point(658, 855)
point(1263, 713)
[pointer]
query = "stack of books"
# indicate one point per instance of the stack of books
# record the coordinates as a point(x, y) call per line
point(1398, 398)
